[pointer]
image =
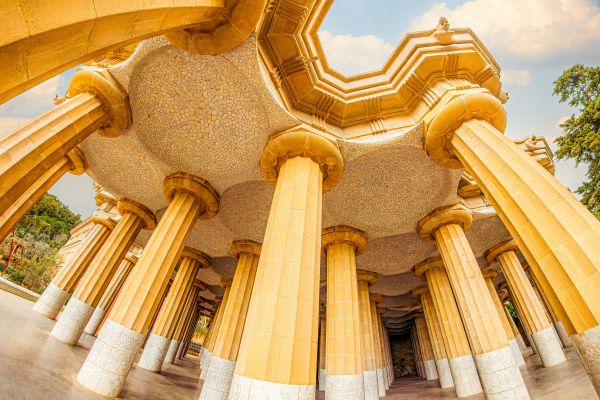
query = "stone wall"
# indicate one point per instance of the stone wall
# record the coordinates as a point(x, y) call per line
point(402, 355)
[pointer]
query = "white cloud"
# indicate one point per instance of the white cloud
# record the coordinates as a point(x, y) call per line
point(524, 28)
point(352, 55)
point(516, 77)
point(33, 102)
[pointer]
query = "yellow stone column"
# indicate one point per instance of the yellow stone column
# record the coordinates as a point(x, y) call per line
point(554, 231)
point(323, 352)
point(488, 341)
point(110, 294)
point(417, 352)
point(374, 299)
point(65, 281)
point(489, 276)
point(344, 353)
point(93, 282)
point(33, 157)
point(205, 357)
point(227, 342)
point(386, 382)
point(426, 349)
point(435, 334)
point(185, 332)
point(159, 340)
point(109, 361)
point(278, 353)
point(365, 279)
point(188, 313)
point(387, 353)
point(462, 367)
point(532, 310)
point(210, 346)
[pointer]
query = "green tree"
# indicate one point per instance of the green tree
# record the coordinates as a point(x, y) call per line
point(579, 87)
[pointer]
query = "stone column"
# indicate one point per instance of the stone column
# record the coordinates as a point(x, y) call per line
point(227, 343)
point(165, 324)
point(205, 358)
point(110, 294)
point(345, 359)
point(390, 361)
point(278, 352)
point(365, 279)
point(93, 282)
point(489, 276)
point(38, 154)
point(64, 282)
point(488, 341)
point(462, 367)
point(374, 299)
point(210, 346)
point(426, 349)
point(417, 351)
point(323, 352)
point(532, 311)
point(386, 383)
point(502, 294)
point(517, 308)
point(553, 230)
point(435, 333)
point(109, 361)
point(189, 314)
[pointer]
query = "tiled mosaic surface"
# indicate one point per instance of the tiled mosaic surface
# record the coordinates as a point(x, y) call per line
point(464, 374)
point(500, 377)
point(549, 347)
point(72, 321)
point(218, 379)
point(345, 387)
point(154, 353)
point(51, 301)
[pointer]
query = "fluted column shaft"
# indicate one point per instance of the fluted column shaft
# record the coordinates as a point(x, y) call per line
point(426, 348)
point(218, 319)
point(189, 314)
point(374, 299)
point(371, 384)
point(322, 352)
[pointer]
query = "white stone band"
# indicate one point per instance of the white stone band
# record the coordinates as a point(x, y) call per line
point(500, 376)
point(522, 345)
point(516, 352)
point(549, 347)
point(371, 387)
point(380, 383)
point(464, 375)
point(430, 370)
point(244, 388)
point(206, 366)
point(172, 352)
point(218, 379)
point(443, 369)
point(322, 379)
point(587, 345)
point(154, 353)
point(51, 301)
point(562, 334)
point(95, 321)
point(108, 363)
point(72, 321)
point(345, 387)
point(205, 359)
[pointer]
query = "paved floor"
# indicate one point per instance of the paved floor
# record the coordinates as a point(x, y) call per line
point(35, 366)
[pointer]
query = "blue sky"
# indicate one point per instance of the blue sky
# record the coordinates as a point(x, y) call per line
point(532, 40)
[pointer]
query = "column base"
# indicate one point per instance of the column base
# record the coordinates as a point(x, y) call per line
point(154, 353)
point(172, 352)
point(95, 321)
point(380, 383)
point(345, 387)
point(72, 321)
point(180, 354)
point(522, 345)
point(370, 382)
point(516, 352)
point(386, 379)
point(244, 388)
point(218, 380)
point(51, 301)
point(430, 370)
point(464, 375)
point(322, 379)
point(548, 347)
point(108, 363)
point(562, 334)
point(206, 366)
point(500, 376)
point(531, 343)
point(443, 370)
point(204, 358)
point(587, 345)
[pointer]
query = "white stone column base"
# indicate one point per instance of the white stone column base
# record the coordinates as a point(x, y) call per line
point(587, 345)
point(172, 352)
point(531, 343)
point(386, 378)
point(380, 382)
point(180, 350)
point(562, 334)
point(95, 321)
point(244, 388)
point(154, 353)
point(516, 352)
point(345, 387)
point(322, 379)
point(72, 321)
point(218, 380)
point(549, 347)
point(206, 366)
point(522, 345)
point(51, 301)
point(371, 387)
point(430, 370)
point(444, 374)
point(108, 363)
point(500, 376)
point(464, 375)
point(203, 358)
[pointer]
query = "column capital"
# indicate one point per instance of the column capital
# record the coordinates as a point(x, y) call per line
point(492, 254)
point(203, 258)
point(454, 214)
point(367, 276)
point(78, 161)
point(490, 273)
point(115, 99)
point(428, 264)
point(303, 143)
point(344, 234)
point(195, 186)
point(502, 293)
point(461, 109)
point(245, 246)
point(375, 297)
point(380, 310)
point(103, 220)
point(503, 285)
point(126, 205)
point(226, 282)
point(419, 290)
point(132, 258)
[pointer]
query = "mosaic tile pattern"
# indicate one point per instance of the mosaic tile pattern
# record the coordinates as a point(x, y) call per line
point(549, 347)
point(371, 386)
point(72, 321)
point(345, 387)
point(500, 377)
point(95, 321)
point(172, 352)
point(444, 374)
point(464, 375)
point(51, 301)
point(154, 353)
point(587, 345)
point(218, 379)
point(516, 352)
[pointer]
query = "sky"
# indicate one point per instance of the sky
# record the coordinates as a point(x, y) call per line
point(532, 40)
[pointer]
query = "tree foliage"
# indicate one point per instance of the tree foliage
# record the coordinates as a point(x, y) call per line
point(579, 86)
